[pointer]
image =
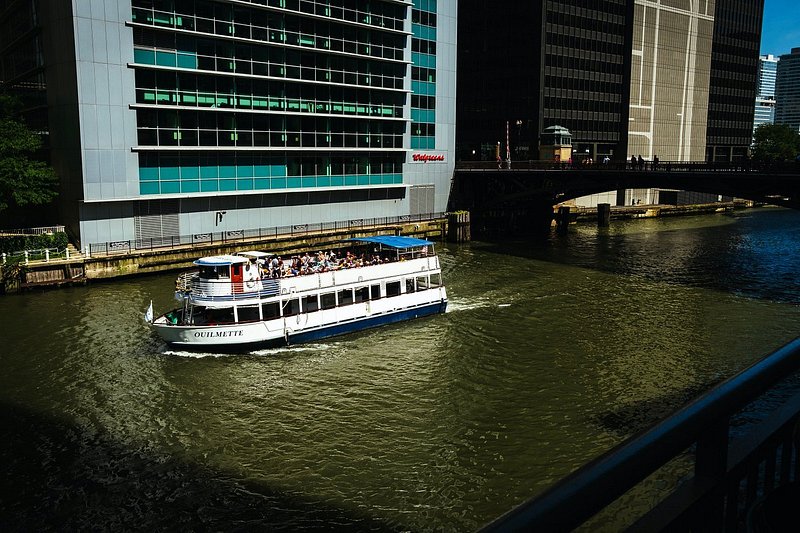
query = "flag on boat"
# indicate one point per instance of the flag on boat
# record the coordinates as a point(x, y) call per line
point(148, 315)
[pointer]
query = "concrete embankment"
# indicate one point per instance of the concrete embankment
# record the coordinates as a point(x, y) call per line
point(80, 269)
point(83, 269)
point(589, 214)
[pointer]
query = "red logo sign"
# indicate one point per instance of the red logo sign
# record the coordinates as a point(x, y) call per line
point(427, 157)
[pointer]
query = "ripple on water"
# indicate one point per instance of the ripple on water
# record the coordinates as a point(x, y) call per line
point(549, 354)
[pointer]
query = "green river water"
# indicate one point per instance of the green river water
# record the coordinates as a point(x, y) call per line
point(551, 352)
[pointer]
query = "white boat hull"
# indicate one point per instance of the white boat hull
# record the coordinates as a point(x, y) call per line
point(221, 309)
point(285, 331)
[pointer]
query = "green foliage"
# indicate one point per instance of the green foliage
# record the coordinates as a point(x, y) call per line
point(18, 243)
point(23, 179)
point(11, 275)
point(775, 142)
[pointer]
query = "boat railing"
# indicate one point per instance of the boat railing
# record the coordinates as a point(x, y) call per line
point(201, 289)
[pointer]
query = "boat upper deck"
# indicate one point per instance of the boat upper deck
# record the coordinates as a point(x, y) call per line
point(414, 256)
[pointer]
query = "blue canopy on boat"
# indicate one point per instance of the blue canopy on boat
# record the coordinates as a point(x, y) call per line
point(221, 260)
point(394, 241)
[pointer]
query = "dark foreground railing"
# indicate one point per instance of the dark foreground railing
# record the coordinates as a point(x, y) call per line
point(733, 479)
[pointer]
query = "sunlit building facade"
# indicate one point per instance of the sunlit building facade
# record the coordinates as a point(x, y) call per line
point(182, 117)
point(765, 96)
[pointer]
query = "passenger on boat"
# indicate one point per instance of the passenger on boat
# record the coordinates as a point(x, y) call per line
point(273, 267)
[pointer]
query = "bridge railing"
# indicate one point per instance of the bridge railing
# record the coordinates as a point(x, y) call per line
point(667, 166)
point(733, 478)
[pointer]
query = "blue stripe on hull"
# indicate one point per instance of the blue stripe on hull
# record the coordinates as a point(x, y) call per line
point(366, 323)
point(322, 333)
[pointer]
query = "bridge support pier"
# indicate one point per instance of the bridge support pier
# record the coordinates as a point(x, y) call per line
point(458, 227)
point(603, 215)
point(562, 220)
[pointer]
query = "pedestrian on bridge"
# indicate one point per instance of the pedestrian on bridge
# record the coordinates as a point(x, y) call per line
point(633, 162)
point(641, 162)
point(655, 162)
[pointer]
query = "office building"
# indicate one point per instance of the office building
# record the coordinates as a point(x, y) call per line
point(670, 64)
point(526, 66)
point(765, 94)
point(625, 77)
point(182, 117)
point(787, 90)
point(732, 90)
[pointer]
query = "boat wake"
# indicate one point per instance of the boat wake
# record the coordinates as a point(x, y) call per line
point(454, 306)
point(300, 348)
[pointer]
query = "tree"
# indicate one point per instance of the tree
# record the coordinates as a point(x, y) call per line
point(24, 180)
point(775, 142)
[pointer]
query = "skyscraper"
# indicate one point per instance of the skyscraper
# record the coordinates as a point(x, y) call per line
point(732, 88)
point(765, 94)
point(531, 65)
point(787, 90)
point(670, 65)
point(181, 117)
point(625, 77)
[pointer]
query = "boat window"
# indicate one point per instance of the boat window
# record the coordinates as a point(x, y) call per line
point(392, 288)
point(345, 297)
point(436, 280)
point(409, 285)
point(422, 283)
point(208, 273)
point(310, 303)
point(328, 300)
point(375, 292)
point(271, 310)
point(362, 294)
point(248, 314)
point(218, 316)
point(291, 307)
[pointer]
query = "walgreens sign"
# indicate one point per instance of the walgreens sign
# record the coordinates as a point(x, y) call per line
point(424, 158)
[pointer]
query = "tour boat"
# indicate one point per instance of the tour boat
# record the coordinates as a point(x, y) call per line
point(253, 299)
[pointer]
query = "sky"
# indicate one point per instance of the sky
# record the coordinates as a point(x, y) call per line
point(781, 29)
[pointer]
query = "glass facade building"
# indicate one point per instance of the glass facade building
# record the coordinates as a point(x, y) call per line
point(787, 90)
point(273, 112)
point(533, 65)
point(765, 94)
point(732, 88)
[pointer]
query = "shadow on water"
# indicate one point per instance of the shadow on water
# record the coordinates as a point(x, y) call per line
point(629, 419)
point(58, 477)
point(751, 254)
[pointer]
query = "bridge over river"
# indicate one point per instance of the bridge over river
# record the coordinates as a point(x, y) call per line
point(520, 198)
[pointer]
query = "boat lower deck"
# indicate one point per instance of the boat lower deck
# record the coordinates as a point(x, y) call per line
point(244, 337)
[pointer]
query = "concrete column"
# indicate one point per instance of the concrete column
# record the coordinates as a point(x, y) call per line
point(563, 217)
point(603, 215)
point(458, 226)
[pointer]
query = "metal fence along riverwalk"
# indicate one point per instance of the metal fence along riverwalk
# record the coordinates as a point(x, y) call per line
point(180, 241)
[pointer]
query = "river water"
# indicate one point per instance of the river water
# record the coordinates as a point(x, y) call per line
point(551, 352)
